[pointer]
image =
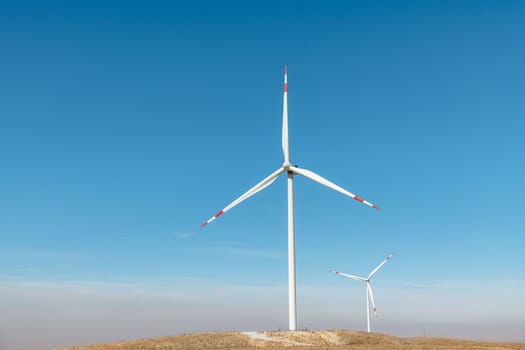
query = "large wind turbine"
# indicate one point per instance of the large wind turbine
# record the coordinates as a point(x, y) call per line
point(368, 288)
point(291, 171)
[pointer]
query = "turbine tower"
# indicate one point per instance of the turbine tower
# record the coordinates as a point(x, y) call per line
point(290, 170)
point(368, 288)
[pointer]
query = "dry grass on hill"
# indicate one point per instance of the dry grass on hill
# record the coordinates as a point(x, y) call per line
point(305, 340)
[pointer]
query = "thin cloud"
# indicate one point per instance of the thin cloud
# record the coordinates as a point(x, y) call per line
point(185, 235)
point(455, 284)
point(240, 249)
point(45, 255)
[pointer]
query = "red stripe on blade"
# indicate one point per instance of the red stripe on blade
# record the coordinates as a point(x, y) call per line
point(219, 213)
point(376, 207)
point(285, 87)
point(357, 198)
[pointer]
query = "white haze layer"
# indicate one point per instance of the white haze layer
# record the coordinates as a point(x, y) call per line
point(43, 315)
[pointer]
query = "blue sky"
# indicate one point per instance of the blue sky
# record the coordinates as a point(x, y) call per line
point(125, 125)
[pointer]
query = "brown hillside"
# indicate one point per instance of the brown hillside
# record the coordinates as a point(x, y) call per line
point(326, 340)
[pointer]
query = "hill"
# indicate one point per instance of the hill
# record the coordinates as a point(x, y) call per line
point(307, 340)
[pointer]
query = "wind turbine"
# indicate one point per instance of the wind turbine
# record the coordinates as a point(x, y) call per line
point(368, 288)
point(290, 170)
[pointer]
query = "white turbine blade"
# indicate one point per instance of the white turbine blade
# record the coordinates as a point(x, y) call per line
point(369, 288)
point(286, 147)
point(357, 278)
point(317, 178)
point(260, 186)
point(379, 266)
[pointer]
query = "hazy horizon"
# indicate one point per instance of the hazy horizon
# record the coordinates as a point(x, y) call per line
point(76, 313)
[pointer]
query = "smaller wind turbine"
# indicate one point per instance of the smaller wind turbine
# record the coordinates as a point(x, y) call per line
point(368, 288)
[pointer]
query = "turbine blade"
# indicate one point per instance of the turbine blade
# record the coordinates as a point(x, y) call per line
point(286, 147)
point(317, 178)
point(356, 278)
point(379, 266)
point(260, 186)
point(369, 288)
